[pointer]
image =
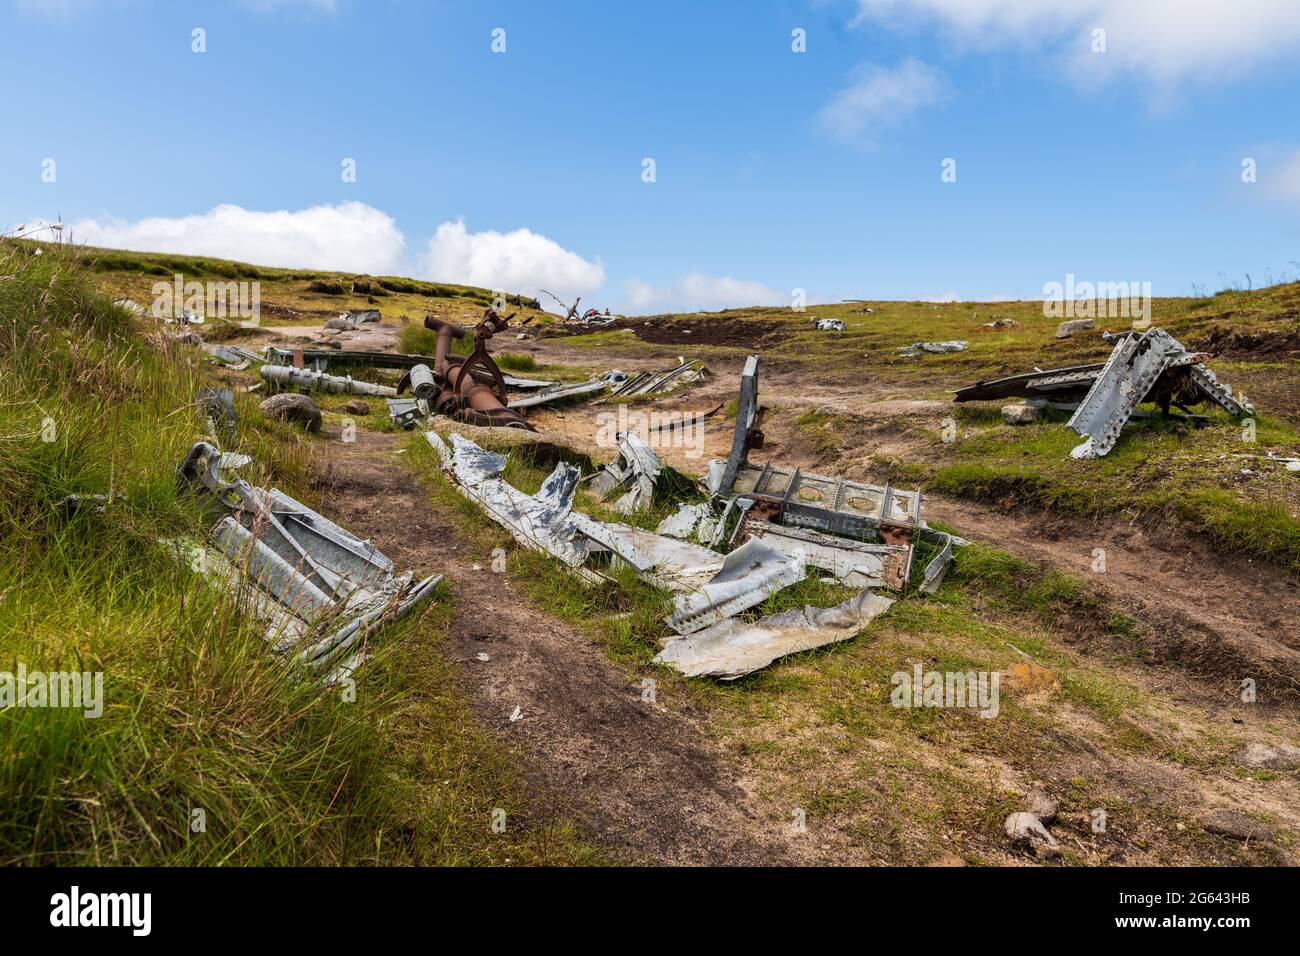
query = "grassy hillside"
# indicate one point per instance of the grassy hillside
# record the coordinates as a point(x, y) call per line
point(198, 716)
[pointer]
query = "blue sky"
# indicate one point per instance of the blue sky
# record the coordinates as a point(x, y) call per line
point(774, 169)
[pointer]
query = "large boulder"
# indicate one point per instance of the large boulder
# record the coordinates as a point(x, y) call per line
point(293, 407)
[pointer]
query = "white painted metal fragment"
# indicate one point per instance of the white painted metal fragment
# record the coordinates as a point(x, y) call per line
point(732, 648)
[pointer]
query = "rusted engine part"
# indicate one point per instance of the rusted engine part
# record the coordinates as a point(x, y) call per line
point(1151, 364)
point(730, 649)
point(453, 389)
point(636, 469)
point(320, 590)
point(284, 376)
point(860, 533)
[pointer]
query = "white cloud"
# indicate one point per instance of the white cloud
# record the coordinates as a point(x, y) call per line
point(1163, 40)
point(350, 236)
point(700, 293)
point(879, 96)
point(1279, 178)
point(517, 261)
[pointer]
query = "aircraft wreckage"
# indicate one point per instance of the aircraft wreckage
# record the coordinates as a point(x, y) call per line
point(319, 590)
point(1144, 366)
point(759, 531)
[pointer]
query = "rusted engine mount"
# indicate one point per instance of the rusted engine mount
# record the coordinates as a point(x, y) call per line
point(467, 388)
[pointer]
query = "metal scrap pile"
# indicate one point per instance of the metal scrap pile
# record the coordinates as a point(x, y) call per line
point(773, 525)
point(1150, 366)
point(320, 590)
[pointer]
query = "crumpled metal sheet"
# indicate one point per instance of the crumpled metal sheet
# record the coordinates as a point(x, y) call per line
point(857, 564)
point(320, 589)
point(829, 325)
point(932, 348)
point(556, 393)
point(665, 562)
point(646, 383)
point(749, 575)
point(636, 468)
point(1135, 365)
point(689, 521)
point(543, 522)
point(732, 649)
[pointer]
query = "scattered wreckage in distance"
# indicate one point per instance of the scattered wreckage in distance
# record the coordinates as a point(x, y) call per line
point(1144, 366)
point(759, 531)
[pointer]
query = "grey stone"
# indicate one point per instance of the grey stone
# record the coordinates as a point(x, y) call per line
point(1021, 414)
point(1270, 756)
point(293, 407)
point(1235, 825)
point(1026, 830)
point(1041, 806)
point(1066, 329)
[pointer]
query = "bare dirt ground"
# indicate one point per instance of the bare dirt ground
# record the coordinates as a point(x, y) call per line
point(641, 777)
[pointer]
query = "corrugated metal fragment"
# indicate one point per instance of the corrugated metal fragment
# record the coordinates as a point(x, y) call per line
point(749, 575)
point(732, 648)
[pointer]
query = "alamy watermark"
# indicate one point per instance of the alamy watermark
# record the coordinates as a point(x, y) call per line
point(218, 300)
point(1099, 300)
point(77, 690)
point(969, 690)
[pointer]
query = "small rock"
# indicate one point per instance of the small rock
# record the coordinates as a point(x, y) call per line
point(1066, 329)
point(293, 407)
point(1235, 825)
point(1027, 830)
point(1021, 414)
point(357, 407)
point(1042, 806)
point(1270, 756)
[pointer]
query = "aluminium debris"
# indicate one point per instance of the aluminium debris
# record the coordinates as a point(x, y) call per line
point(636, 469)
point(284, 376)
point(845, 514)
point(1144, 366)
point(654, 383)
point(732, 648)
point(319, 590)
point(932, 348)
point(828, 325)
point(748, 576)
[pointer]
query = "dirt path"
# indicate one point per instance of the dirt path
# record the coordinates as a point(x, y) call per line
point(641, 777)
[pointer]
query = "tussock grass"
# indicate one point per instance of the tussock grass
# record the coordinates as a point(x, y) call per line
point(198, 716)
